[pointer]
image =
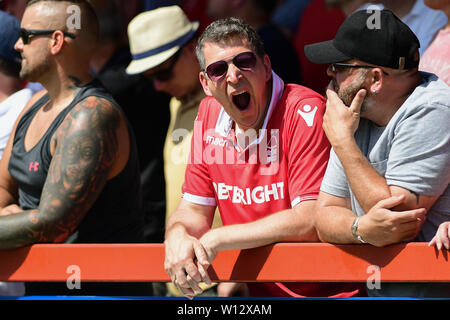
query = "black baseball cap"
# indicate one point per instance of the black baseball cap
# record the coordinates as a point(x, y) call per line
point(374, 36)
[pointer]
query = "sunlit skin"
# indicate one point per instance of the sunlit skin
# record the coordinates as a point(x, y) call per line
point(255, 82)
point(348, 82)
point(88, 148)
point(34, 57)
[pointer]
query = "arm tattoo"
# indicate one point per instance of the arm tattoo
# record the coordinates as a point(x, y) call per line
point(87, 147)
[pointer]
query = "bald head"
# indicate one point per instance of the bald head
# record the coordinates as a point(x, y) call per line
point(74, 16)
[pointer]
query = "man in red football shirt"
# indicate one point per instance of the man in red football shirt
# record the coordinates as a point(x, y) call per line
point(258, 152)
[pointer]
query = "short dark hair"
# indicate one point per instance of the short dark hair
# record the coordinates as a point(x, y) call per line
point(225, 31)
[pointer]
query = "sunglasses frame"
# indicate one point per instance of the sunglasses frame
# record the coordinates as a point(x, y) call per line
point(26, 33)
point(167, 73)
point(346, 65)
point(233, 61)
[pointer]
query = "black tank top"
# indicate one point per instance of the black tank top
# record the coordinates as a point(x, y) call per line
point(117, 215)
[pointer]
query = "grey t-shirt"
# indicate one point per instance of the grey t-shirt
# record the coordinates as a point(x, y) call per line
point(412, 151)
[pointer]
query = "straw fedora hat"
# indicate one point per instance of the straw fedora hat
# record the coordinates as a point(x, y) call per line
point(156, 35)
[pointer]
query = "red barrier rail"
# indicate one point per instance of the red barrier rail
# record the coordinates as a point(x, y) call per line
point(279, 262)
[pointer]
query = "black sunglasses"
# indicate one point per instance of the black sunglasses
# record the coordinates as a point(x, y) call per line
point(167, 73)
point(26, 33)
point(216, 71)
point(338, 67)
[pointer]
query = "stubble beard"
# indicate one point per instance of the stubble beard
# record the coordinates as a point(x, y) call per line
point(32, 74)
point(348, 93)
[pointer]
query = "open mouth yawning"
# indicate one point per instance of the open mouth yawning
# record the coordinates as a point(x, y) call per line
point(241, 100)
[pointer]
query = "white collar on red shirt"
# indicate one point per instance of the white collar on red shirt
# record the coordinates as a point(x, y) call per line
point(225, 123)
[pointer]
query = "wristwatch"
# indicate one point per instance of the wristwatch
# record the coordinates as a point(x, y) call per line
point(355, 230)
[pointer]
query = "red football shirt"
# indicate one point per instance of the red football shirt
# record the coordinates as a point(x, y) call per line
point(279, 169)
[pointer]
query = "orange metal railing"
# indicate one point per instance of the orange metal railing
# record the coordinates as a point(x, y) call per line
point(279, 262)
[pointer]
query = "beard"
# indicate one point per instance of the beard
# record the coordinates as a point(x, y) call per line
point(348, 93)
point(33, 73)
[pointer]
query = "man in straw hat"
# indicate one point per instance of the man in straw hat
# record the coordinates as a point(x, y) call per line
point(258, 153)
point(69, 172)
point(162, 43)
point(388, 125)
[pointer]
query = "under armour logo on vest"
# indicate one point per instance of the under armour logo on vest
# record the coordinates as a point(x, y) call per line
point(33, 166)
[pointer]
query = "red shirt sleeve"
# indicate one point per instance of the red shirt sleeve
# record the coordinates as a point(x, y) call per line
point(307, 149)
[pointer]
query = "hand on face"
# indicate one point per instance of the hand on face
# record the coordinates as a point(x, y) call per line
point(340, 122)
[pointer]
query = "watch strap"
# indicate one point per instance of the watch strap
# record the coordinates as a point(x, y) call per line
point(354, 230)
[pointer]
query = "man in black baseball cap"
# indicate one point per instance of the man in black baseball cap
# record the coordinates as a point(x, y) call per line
point(388, 126)
point(375, 36)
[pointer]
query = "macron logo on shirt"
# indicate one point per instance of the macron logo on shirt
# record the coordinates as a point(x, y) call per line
point(308, 114)
point(216, 141)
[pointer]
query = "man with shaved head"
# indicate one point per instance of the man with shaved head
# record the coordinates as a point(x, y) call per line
point(74, 22)
point(70, 171)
